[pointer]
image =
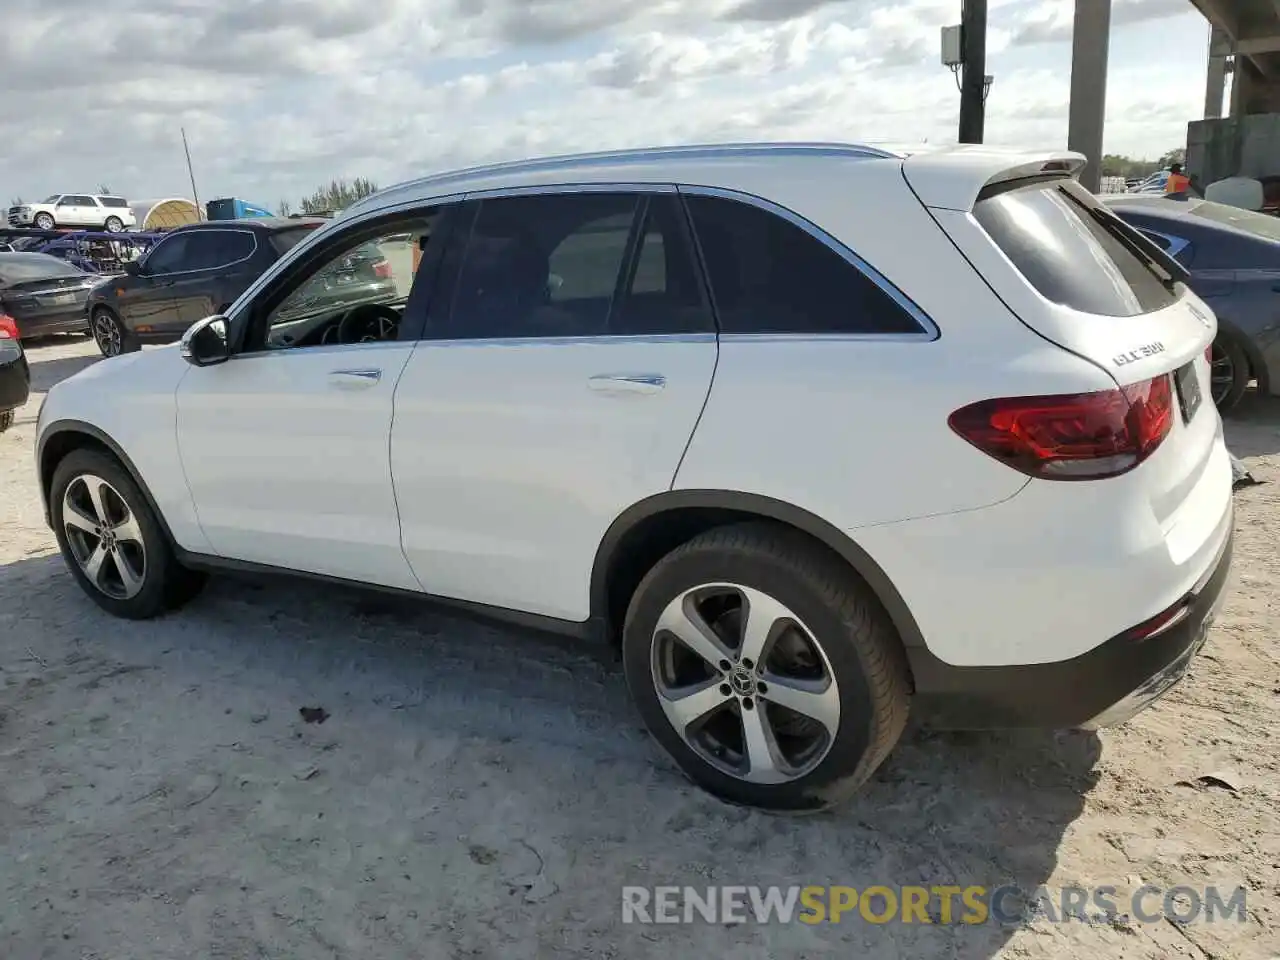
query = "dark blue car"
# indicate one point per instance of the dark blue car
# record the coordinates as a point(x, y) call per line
point(1234, 259)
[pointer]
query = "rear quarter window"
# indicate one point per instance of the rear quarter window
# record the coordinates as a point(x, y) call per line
point(1071, 255)
point(113, 202)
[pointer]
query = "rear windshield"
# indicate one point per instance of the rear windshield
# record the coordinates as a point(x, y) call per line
point(21, 267)
point(286, 240)
point(1073, 250)
point(1259, 224)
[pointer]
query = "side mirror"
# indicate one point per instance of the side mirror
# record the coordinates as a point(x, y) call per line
point(206, 342)
point(133, 268)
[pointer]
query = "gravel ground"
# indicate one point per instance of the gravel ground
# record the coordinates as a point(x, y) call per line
point(476, 792)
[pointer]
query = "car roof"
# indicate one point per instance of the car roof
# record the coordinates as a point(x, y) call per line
point(955, 173)
point(267, 224)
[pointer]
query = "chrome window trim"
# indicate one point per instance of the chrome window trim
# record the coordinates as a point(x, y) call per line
point(928, 329)
point(525, 190)
point(222, 266)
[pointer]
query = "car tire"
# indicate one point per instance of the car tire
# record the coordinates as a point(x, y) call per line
point(830, 649)
point(113, 225)
point(1229, 372)
point(6, 420)
point(109, 333)
point(128, 567)
point(44, 221)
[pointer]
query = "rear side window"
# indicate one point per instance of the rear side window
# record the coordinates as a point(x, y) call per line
point(768, 275)
point(114, 201)
point(286, 240)
point(1072, 249)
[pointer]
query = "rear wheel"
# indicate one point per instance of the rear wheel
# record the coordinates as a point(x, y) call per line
point(765, 668)
point(114, 225)
point(6, 420)
point(1229, 372)
point(44, 221)
point(109, 333)
point(112, 541)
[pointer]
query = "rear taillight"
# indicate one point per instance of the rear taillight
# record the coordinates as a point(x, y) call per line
point(382, 269)
point(8, 327)
point(1078, 436)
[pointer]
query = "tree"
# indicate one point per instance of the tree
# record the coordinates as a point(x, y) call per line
point(338, 194)
point(16, 202)
point(284, 208)
point(103, 189)
point(1176, 155)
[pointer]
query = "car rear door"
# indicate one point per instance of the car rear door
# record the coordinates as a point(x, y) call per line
point(557, 386)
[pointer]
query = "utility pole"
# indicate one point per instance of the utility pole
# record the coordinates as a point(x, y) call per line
point(973, 84)
point(191, 173)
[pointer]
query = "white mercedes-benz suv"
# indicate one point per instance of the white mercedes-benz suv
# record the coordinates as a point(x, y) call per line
point(819, 434)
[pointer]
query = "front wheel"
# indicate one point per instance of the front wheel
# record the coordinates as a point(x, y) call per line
point(44, 221)
point(111, 540)
point(765, 668)
point(6, 420)
point(114, 225)
point(109, 334)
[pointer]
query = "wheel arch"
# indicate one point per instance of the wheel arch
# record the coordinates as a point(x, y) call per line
point(1257, 365)
point(653, 527)
point(62, 437)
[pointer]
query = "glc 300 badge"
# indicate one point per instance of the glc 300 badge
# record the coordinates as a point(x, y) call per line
point(1138, 353)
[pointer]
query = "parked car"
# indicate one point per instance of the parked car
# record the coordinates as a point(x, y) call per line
point(15, 375)
point(43, 294)
point(1152, 184)
point(819, 434)
point(200, 269)
point(1234, 259)
point(112, 214)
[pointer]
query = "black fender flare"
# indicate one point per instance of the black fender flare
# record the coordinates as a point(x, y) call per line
point(759, 507)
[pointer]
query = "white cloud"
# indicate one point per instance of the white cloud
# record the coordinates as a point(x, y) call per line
point(279, 95)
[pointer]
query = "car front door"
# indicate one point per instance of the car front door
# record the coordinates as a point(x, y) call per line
point(70, 211)
point(220, 266)
point(144, 299)
point(557, 386)
point(285, 445)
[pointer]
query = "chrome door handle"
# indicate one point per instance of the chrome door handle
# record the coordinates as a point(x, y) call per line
point(354, 379)
point(627, 382)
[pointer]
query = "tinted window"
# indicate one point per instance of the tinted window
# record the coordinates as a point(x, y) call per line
point(770, 276)
point(664, 293)
point(169, 254)
point(226, 248)
point(1072, 249)
point(20, 267)
point(286, 240)
point(544, 266)
point(113, 201)
point(79, 201)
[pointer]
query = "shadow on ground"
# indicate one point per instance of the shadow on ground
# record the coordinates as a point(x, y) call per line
point(1253, 428)
point(471, 789)
point(47, 372)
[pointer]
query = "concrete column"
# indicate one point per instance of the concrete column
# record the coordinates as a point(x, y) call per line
point(1090, 40)
point(1215, 81)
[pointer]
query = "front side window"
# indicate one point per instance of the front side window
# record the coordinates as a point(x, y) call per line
point(355, 291)
point(169, 255)
point(540, 266)
point(769, 275)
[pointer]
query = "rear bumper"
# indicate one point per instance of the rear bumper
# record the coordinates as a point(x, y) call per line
point(15, 381)
point(1101, 687)
point(35, 324)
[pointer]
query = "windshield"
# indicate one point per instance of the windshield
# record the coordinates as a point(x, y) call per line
point(52, 199)
point(1258, 224)
point(21, 267)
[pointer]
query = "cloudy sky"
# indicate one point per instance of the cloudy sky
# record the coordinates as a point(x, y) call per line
point(278, 96)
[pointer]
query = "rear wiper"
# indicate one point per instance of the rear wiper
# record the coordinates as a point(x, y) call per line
point(1168, 270)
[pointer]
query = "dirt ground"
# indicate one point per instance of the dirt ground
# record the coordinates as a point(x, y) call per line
point(476, 792)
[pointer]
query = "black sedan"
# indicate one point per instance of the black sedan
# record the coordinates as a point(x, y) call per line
point(15, 375)
point(44, 294)
point(1234, 259)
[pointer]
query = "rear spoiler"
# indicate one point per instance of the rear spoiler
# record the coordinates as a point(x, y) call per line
point(952, 179)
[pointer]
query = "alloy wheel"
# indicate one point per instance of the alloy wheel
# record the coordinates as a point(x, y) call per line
point(1222, 373)
point(745, 683)
point(104, 537)
point(107, 334)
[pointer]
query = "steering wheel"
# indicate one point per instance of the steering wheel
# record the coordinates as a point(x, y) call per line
point(367, 323)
